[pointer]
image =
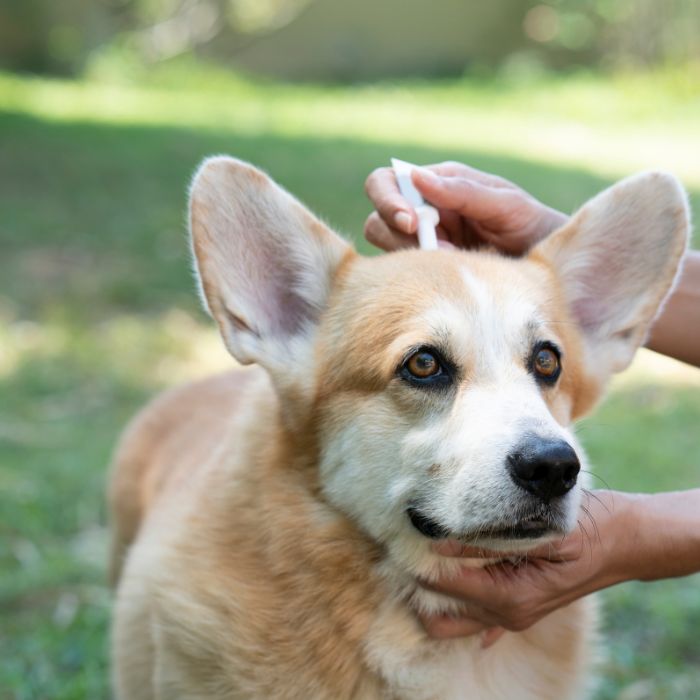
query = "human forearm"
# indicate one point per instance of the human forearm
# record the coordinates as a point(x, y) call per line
point(676, 332)
point(658, 535)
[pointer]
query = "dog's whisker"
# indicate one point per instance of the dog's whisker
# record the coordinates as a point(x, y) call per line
point(585, 538)
point(602, 503)
point(596, 476)
point(589, 515)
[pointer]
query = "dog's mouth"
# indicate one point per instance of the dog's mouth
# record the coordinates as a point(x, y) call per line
point(426, 526)
point(526, 528)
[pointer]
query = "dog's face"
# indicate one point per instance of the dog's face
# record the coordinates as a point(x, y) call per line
point(447, 382)
point(440, 386)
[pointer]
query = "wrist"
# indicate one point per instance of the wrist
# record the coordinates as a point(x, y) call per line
point(647, 539)
point(621, 540)
point(658, 535)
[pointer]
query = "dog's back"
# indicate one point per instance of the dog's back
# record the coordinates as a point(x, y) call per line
point(163, 445)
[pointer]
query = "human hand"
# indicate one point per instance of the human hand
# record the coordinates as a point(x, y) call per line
point(514, 596)
point(475, 208)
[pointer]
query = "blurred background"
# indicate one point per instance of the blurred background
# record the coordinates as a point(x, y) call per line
point(106, 107)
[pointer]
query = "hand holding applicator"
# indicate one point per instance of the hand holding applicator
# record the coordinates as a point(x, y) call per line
point(428, 217)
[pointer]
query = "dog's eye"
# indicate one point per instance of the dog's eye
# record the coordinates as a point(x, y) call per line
point(546, 362)
point(422, 365)
point(426, 368)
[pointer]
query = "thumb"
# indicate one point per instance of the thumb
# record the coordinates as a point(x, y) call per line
point(448, 627)
point(470, 198)
point(490, 636)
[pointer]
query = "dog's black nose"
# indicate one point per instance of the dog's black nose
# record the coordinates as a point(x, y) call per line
point(545, 468)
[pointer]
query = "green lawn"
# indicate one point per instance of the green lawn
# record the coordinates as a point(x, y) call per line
point(97, 309)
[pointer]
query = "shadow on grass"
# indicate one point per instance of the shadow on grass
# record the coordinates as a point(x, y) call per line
point(95, 213)
point(94, 258)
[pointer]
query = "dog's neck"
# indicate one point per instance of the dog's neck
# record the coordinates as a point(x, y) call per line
point(284, 448)
point(284, 481)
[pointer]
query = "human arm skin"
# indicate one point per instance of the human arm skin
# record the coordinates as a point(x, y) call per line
point(635, 537)
point(676, 332)
point(480, 208)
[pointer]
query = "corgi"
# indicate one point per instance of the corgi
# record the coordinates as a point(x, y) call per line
point(271, 524)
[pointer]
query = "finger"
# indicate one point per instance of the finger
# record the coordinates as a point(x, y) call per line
point(475, 236)
point(382, 189)
point(452, 225)
point(563, 550)
point(463, 233)
point(487, 587)
point(444, 240)
point(470, 198)
point(560, 550)
point(449, 627)
point(455, 169)
point(455, 548)
point(491, 636)
point(380, 235)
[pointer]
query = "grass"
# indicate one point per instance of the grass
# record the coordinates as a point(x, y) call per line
point(97, 310)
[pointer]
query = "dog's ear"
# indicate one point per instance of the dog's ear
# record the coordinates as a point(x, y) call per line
point(617, 259)
point(265, 263)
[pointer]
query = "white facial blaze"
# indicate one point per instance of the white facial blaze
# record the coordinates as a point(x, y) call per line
point(472, 489)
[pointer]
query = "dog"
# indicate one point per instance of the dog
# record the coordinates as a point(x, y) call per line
point(270, 524)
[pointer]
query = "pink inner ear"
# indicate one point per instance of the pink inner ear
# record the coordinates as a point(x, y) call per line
point(600, 284)
point(589, 313)
point(274, 281)
point(617, 256)
point(265, 261)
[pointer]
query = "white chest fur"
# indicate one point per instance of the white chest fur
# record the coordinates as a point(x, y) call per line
point(548, 662)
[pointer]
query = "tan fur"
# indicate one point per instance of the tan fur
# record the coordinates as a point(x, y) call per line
point(160, 444)
point(238, 579)
point(238, 548)
point(261, 539)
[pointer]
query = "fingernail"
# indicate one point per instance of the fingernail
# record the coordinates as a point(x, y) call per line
point(427, 176)
point(403, 221)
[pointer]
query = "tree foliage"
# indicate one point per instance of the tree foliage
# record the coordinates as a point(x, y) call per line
point(63, 37)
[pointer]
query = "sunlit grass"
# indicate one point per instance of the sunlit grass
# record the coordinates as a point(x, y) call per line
point(610, 127)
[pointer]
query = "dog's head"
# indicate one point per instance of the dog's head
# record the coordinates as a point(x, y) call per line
point(440, 385)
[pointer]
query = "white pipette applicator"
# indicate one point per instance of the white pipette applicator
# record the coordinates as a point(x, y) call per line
point(428, 216)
